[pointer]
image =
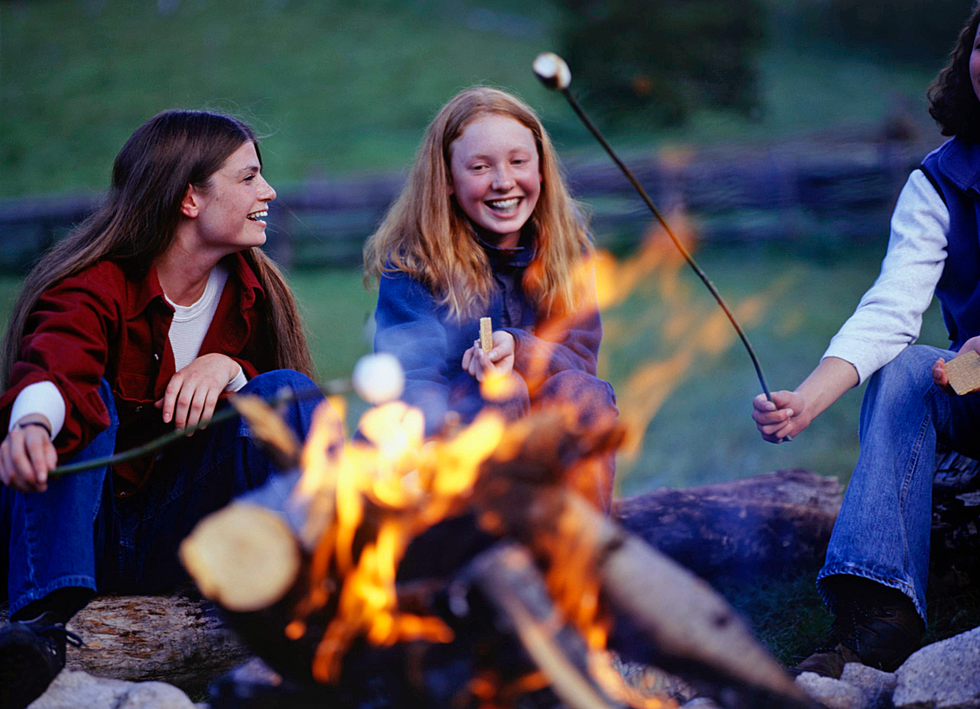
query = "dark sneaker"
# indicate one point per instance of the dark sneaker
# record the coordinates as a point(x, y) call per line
point(32, 653)
point(828, 660)
point(876, 626)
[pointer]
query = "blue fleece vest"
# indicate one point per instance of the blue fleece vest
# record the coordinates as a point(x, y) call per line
point(954, 170)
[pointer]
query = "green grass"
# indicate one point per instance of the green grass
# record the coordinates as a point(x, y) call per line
point(340, 86)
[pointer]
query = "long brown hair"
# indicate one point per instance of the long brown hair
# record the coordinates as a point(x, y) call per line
point(952, 101)
point(137, 223)
point(426, 235)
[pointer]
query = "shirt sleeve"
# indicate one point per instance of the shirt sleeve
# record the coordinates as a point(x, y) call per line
point(889, 315)
point(559, 344)
point(66, 343)
point(409, 327)
point(40, 398)
point(238, 382)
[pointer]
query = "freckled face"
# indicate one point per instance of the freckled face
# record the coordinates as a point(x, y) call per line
point(496, 176)
point(232, 210)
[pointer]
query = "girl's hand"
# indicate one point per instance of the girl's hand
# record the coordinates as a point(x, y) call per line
point(782, 418)
point(499, 360)
point(27, 454)
point(939, 375)
point(939, 368)
point(193, 392)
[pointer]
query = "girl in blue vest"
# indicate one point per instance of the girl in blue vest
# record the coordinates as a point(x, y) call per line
point(485, 227)
point(874, 577)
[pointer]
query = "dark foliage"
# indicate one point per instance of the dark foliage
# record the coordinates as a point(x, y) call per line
point(906, 30)
point(662, 60)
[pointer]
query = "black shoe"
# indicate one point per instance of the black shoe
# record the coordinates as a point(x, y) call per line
point(876, 626)
point(32, 653)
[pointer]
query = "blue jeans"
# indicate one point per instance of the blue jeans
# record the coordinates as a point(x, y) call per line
point(882, 531)
point(78, 534)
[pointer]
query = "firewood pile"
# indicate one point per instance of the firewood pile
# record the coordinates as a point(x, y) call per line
point(472, 570)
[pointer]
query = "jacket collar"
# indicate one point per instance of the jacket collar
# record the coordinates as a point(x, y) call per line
point(517, 257)
point(959, 160)
point(148, 289)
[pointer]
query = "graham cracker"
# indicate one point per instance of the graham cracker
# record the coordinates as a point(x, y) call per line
point(964, 373)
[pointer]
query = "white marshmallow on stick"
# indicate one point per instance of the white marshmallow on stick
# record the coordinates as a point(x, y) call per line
point(552, 71)
point(378, 378)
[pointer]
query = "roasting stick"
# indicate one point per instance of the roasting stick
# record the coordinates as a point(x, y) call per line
point(335, 386)
point(486, 334)
point(555, 74)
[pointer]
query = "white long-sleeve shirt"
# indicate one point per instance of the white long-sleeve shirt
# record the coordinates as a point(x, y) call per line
point(889, 316)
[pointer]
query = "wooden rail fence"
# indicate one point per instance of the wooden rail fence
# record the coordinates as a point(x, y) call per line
point(842, 191)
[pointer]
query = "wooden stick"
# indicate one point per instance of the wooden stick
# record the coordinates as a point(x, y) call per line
point(963, 373)
point(510, 581)
point(486, 334)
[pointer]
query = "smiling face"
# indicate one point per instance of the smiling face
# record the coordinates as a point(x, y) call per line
point(496, 177)
point(229, 215)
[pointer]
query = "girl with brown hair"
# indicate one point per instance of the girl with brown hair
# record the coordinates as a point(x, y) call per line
point(137, 323)
point(877, 566)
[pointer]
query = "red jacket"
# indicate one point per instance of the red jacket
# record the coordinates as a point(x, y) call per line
point(100, 323)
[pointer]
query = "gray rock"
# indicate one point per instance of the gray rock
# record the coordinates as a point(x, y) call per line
point(877, 686)
point(944, 675)
point(832, 693)
point(72, 689)
point(700, 703)
point(154, 695)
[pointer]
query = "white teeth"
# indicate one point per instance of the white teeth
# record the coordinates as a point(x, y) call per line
point(504, 205)
point(255, 216)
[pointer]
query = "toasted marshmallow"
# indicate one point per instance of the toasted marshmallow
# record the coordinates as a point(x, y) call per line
point(552, 70)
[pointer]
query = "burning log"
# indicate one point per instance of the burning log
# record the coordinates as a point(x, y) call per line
point(362, 506)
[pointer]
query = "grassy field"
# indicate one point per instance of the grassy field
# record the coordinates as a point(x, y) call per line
point(340, 86)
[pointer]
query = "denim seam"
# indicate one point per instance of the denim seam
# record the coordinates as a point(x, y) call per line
point(841, 568)
point(35, 594)
point(910, 468)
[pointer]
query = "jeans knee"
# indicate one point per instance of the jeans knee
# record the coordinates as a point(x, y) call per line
point(268, 383)
point(910, 371)
point(593, 398)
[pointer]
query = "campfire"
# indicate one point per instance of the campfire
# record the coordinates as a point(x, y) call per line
point(469, 570)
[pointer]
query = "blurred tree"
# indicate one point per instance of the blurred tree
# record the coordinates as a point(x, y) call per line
point(664, 58)
point(909, 30)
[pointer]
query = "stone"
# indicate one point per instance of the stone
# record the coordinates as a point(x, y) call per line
point(832, 693)
point(72, 689)
point(877, 686)
point(700, 703)
point(944, 675)
point(154, 695)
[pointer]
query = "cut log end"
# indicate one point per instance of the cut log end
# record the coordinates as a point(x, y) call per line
point(244, 557)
